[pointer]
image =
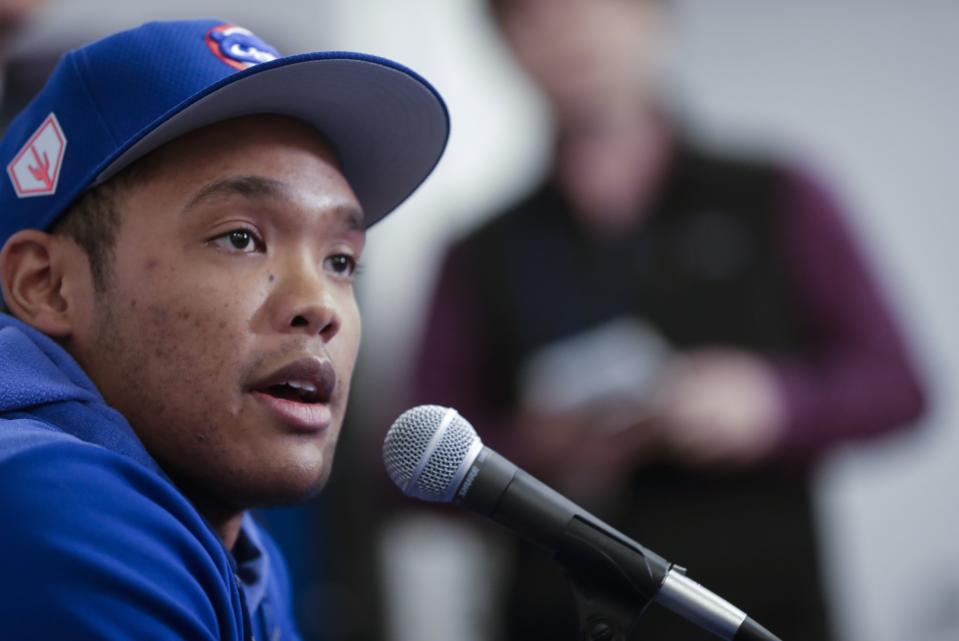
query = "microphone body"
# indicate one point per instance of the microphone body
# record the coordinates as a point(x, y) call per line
point(452, 465)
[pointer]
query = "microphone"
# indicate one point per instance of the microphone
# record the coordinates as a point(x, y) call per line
point(432, 453)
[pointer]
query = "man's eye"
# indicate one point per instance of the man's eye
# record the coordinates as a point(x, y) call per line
point(238, 240)
point(342, 264)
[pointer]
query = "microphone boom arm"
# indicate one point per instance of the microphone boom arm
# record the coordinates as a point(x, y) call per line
point(608, 583)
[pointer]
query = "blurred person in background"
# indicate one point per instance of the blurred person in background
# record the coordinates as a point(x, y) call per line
point(19, 79)
point(670, 335)
point(14, 14)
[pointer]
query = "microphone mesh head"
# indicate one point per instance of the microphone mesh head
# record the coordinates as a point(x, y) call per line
point(428, 450)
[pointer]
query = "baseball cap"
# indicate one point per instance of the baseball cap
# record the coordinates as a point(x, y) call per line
point(111, 102)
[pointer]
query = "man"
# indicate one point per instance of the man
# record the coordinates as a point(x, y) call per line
point(183, 213)
point(14, 14)
point(670, 335)
point(20, 78)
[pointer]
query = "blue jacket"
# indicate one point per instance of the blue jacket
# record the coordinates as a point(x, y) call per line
point(95, 541)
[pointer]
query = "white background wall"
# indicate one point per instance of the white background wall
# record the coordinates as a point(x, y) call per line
point(866, 91)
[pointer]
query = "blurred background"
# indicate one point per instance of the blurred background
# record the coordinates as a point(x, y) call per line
point(863, 92)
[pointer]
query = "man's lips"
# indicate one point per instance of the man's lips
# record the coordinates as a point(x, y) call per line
point(308, 417)
point(299, 392)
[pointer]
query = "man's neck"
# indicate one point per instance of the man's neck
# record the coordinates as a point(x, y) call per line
point(228, 530)
point(226, 522)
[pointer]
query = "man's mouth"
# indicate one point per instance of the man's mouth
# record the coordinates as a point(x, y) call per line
point(300, 392)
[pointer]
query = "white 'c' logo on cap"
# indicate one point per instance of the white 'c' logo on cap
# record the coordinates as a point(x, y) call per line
point(35, 170)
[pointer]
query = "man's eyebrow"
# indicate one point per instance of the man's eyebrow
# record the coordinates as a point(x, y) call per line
point(253, 187)
point(353, 218)
point(256, 187)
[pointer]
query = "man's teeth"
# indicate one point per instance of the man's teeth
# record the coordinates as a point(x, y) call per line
point(303, 387)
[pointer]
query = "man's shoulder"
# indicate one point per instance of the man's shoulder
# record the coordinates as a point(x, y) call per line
point(56, 478)
point(694, 168)
point(19, 435)
point(730, 170)
point(84, 524)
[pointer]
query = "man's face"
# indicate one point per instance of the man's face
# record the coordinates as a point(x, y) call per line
point(229, 329)
point(584, 53)
point(13, 15)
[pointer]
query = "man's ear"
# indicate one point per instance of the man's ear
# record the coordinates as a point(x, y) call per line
point(32, 268)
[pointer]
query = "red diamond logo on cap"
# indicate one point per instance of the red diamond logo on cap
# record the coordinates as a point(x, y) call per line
point(36, 168)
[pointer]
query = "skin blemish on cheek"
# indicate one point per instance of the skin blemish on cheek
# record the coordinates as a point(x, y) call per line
point(158, 314)
point(151, 265)
point(272, 278)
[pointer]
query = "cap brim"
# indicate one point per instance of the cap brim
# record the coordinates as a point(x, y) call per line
point(387, 126)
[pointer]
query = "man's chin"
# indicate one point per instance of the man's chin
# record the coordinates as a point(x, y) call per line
point(298, 494)
point(269, 487)
point(279, 492)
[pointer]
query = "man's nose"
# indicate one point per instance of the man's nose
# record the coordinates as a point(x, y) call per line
point(304, 302)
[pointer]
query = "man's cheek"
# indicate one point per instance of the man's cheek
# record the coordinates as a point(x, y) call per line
point(187, 340)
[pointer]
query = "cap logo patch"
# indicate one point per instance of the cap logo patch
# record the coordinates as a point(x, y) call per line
point(239, 47)
point(35, 170)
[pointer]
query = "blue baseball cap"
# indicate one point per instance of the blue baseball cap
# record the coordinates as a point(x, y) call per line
point(110, 103)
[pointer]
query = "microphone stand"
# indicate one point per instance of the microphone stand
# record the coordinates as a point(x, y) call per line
point(612, 584)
